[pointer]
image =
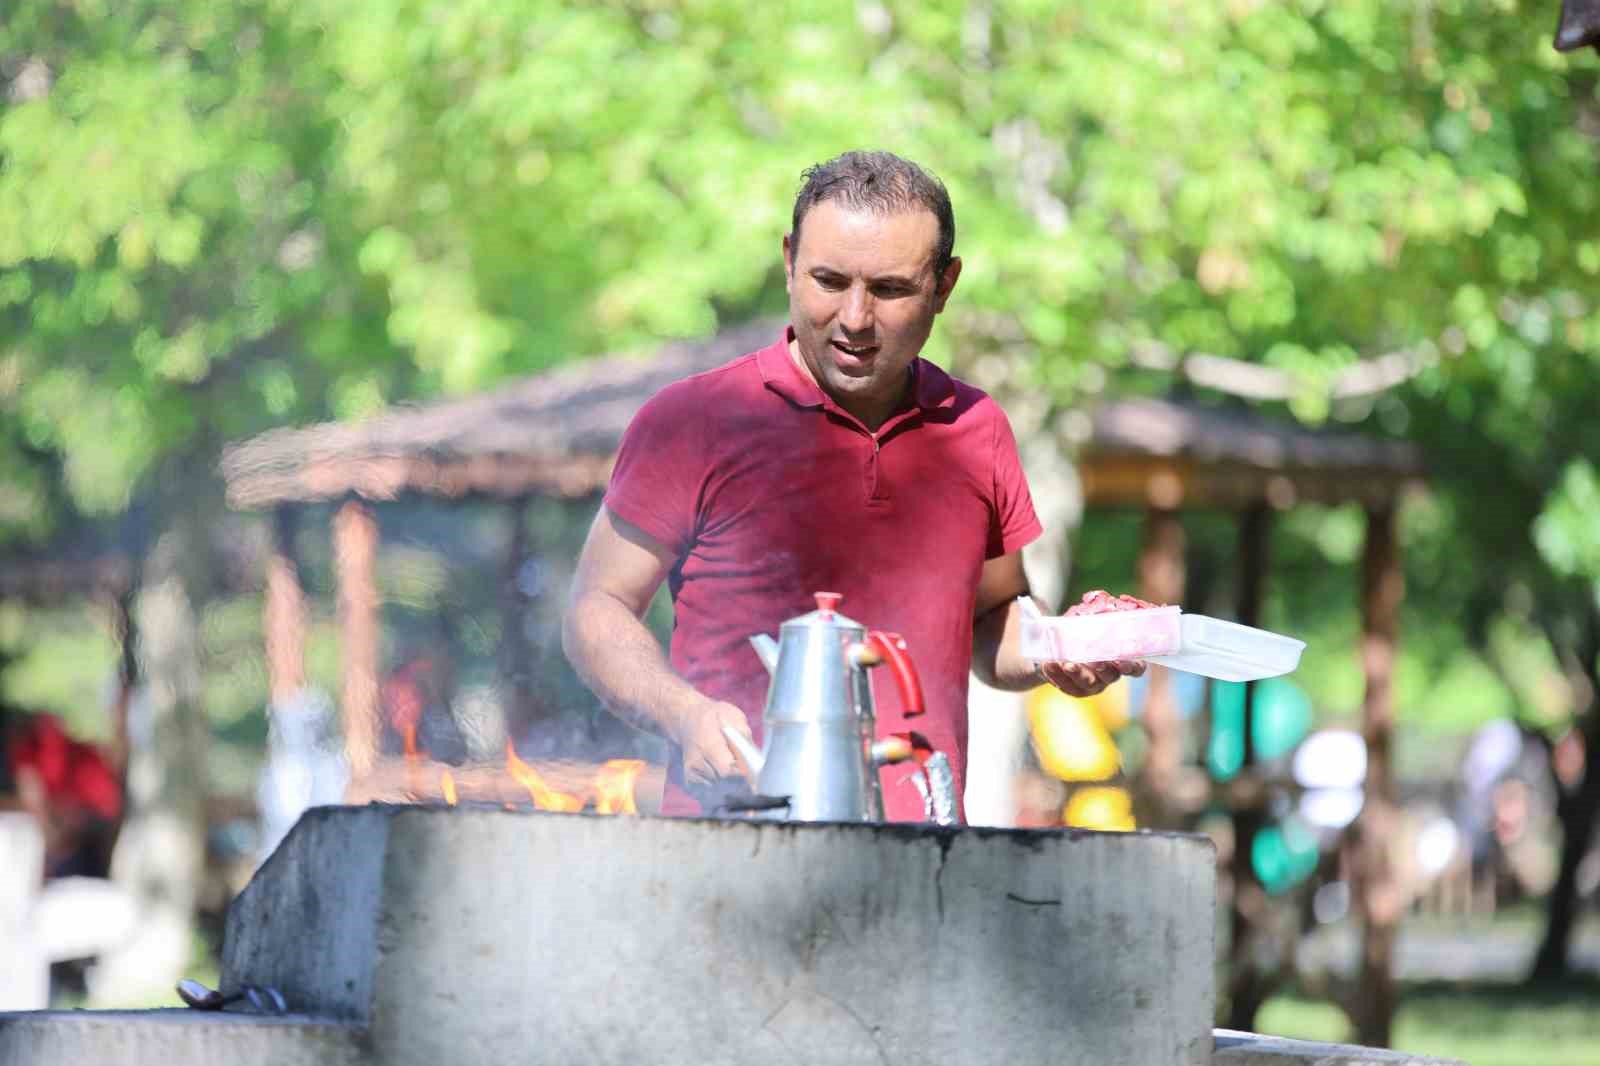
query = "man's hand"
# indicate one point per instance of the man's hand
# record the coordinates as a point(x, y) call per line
point(709, 757)
point(996, 656)
point(1086, 679)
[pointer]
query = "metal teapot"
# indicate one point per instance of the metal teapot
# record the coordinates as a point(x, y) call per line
point(821, 751)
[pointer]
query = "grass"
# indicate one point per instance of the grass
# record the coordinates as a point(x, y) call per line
point(1480, 1024)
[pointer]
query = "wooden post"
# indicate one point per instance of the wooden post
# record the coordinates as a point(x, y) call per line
point(1248, 987)
point(516, 664)
point(355, 549)
point(1377, 894)
point(1578, 811)
point(1161, 580)
point(283, 616)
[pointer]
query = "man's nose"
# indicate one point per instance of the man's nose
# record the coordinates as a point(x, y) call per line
point(856, 315)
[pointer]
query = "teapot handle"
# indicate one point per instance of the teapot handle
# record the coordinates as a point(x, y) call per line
point(900, 747)
point(893, 648)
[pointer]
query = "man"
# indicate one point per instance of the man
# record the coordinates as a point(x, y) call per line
point(834, 459)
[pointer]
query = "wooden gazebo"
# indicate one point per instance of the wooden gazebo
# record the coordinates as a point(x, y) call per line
point(1164, 457)
point(550, 435)
point(556, 434)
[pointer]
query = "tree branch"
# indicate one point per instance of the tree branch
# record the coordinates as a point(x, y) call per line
point(1254, 381)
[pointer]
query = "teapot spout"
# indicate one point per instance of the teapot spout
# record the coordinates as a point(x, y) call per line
point(747, 751)
point(767, 649)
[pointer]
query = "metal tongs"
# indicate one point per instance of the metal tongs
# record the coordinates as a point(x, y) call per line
point(264, 999)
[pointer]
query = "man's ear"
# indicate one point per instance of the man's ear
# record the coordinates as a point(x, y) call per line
point(788, 262)
point(947, 284)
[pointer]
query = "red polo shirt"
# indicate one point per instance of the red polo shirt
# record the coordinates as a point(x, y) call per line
point(767, 491)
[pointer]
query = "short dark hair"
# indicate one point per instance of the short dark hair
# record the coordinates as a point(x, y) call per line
point(880, 182)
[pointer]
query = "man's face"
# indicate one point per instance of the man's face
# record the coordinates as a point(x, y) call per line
point(862, 296)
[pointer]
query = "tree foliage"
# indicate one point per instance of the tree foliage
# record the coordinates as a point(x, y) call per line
point(220, 217)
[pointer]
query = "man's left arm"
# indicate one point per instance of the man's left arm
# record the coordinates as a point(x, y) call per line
point(996, 656)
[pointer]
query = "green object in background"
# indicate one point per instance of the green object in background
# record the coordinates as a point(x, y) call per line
point(1282, 717)
point(1283, 855)
point(1225, 750)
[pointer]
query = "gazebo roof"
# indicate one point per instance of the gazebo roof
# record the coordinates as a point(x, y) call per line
point(553, 434)
point(1149, 451)
point(557, 433)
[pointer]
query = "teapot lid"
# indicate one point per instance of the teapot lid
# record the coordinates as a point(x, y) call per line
point(826, 614)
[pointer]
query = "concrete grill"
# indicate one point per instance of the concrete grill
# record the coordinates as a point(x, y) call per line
point(428, 935)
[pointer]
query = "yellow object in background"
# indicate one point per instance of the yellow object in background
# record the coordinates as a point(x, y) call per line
point(1111, 705)
point(1100, 807)
point(1070, 737)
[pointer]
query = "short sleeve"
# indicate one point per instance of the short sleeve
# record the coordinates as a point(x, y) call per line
point(655, 483)
point(1013, 522)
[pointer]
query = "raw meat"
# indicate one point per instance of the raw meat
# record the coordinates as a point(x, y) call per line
point(1099, 601)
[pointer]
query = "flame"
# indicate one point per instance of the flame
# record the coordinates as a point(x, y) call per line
point(408, 733)
point(613, 786)
point(447, 785)
point(544, 797)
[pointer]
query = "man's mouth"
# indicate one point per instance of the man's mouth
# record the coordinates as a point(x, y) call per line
point(859, 353)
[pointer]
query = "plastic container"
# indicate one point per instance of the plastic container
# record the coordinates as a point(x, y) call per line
point(1194, 643)
point(1229, 651)
point(1098, 638)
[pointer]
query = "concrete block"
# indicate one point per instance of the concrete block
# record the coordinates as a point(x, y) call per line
point(1250, 1049)
point(175, 1038)
point(306, 924)
point(592, 939)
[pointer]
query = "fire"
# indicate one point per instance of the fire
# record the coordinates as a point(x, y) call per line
point(544, 797)
point(447, 785)
point(613, 786)
point(408, 733)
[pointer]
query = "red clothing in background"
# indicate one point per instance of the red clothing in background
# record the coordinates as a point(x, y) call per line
point(77, 779)
point(767, 491)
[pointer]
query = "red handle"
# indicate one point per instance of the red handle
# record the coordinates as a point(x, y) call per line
point(921, 749)
point(893, 648)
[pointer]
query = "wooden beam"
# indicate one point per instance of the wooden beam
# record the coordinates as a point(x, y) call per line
point(1161, 579)
point(388, 477)
point(283, 615)
point(516, 665)
point(355, 550)
point(1377, 891)
point(1255, 543)
point(1248, 985)
point(1171, 481)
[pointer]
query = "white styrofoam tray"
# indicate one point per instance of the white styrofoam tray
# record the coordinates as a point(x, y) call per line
point(1194, 643)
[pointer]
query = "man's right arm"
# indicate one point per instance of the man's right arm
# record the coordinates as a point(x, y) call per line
point(617, 656)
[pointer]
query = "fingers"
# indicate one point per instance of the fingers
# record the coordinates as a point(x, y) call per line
point(1106, 673)
point(702, 771)
point(709, 756)
point(732, 717)
point(1075, 679)
point(707, 766)
point(1087, 679)
point(731, 764)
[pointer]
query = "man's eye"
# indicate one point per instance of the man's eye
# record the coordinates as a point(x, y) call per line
point(833, 284)
point(891, 292)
